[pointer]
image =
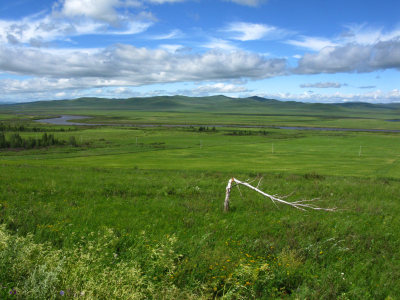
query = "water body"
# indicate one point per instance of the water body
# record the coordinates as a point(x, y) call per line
point(65, 120)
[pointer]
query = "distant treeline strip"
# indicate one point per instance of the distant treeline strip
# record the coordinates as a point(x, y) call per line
point(16, 141)
point(23, 128)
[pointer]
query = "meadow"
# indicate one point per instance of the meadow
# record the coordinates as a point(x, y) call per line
point(137, 212)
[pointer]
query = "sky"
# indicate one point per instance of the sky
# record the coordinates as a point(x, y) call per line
point(310, 50)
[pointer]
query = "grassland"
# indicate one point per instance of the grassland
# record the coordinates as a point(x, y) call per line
point(218, 110)
point(134, 213)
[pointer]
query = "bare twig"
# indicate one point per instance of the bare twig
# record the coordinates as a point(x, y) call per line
point(259, 181)
point(301, 204)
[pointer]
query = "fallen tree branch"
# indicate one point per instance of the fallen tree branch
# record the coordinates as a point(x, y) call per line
point(301, 204)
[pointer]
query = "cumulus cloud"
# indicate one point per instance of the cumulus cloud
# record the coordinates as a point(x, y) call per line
point(366, 35)
point(136, 66)
point(358, 34)
point(103, 10)
point(376, 96)
point(322, 85)
point(25, 50)
point(358, 49)
point(38, 31)
point(352, 58)
point(219, 88)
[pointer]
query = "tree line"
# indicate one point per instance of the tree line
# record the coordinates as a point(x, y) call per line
point(248, 132)
point(16, 141)
point(23, 128)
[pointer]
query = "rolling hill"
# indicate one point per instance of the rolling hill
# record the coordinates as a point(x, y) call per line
point(212, 104)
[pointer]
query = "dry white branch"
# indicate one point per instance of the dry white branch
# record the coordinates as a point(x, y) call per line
point(301, 204)
point(259, 182)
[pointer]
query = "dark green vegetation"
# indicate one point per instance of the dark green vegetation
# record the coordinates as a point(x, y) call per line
point(138, 212)
point(15, 141)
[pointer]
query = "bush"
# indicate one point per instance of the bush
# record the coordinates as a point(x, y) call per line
point(16, 141)
point(93, 269)
point(72, 141)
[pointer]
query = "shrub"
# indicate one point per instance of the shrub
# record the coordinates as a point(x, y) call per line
point(93, 269)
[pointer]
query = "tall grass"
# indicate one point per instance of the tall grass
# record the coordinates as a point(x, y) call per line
point(126, 219)
point(169, 230)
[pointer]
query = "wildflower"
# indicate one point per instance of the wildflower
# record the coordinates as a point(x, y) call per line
point(215, 289)
point(321, 252)
point(62, 293)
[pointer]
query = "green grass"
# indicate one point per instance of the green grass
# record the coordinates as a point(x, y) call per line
point(283, 151)
point(160, 191)
point(218, 110)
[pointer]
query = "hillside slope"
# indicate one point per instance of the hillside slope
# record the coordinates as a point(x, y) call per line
point(212, 104)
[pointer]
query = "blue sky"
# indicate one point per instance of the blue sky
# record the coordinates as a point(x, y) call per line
point(312, 50)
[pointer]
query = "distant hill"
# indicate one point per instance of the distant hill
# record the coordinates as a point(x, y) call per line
point(213, 104)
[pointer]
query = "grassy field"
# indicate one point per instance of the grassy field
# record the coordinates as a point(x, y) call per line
point(218, 110)
point(135, 213)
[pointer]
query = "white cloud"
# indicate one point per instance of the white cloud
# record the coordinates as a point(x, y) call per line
point(367, 87)
point(171, 47)
point(35, 31)
point(352, 58)
point(103, 10)
point(219, 88)
point(164, 1)
point(365, 35)
point(312, 43)
point(322, 85)
point(174, 34)
point(113, 12)
point(357, 34)
point(253, 3)
point(376, 96)
point(249, 31)
point(121, 90)
point(125, 65)
point(60, 94)
point(220, 44)
point(358, 49)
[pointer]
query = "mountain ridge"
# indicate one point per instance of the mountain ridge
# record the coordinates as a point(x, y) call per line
point(209, 104)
